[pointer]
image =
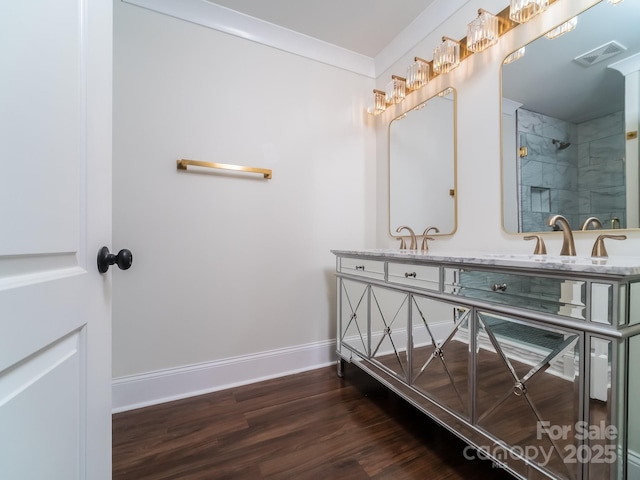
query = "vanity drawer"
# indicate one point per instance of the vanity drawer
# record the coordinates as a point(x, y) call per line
point(419, 276)
point(362, 268)
point(551, 295)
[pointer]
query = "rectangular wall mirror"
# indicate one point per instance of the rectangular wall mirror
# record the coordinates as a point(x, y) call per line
point(563, 126)
point(422, 159)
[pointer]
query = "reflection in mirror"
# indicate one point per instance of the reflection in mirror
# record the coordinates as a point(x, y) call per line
point(422, 166)
point(440, 353)
point(563, 129)
point(530, 373)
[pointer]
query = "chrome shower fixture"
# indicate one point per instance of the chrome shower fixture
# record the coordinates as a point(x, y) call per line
point(560, 145)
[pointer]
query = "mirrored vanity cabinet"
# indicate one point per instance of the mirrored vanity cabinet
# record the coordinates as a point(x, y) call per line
point(532, 360)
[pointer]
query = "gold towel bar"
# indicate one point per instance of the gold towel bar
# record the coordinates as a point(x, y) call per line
point(182, 165)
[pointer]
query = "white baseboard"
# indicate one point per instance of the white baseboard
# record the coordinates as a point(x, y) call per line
point(137, 391)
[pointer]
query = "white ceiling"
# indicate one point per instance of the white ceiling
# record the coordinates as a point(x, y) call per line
point(361, 26)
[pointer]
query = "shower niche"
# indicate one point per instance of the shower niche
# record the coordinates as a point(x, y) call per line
point(574, 169)
point(540, 199)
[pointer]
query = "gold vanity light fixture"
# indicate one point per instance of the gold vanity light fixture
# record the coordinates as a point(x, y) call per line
point(396, 90)
point(417, 74)
point(562, 29)
point(446, 56)
point(450, 53)
point(517, 55)
point(482, 32)
point(522, 11)
point(377, 102)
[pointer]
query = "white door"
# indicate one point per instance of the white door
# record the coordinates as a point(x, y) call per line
point(55, 213)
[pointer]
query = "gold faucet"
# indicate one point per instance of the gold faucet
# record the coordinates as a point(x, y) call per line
point(615, 222)
point(558, 222)
point(591, 221)
point(541, 248)
point(425, 246)
point(599, 249)
point(403, 245)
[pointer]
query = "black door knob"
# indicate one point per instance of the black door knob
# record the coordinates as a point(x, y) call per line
point(123, 259)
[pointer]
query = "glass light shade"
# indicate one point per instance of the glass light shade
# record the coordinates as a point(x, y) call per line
point(562, 29)
point(522, 11)
point(377, 103)
point(518, 54)
point(482, 32)
point(446, 56)
point(396, 90)
point(417, 74)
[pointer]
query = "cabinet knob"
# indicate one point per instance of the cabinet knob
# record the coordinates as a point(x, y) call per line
point(496, 287)
point(409, 274)
point(359, 267)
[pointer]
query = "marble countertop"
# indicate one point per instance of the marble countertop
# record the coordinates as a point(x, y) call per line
point(618, 266)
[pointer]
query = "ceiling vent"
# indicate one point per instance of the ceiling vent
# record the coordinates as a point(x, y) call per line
point(600, 54)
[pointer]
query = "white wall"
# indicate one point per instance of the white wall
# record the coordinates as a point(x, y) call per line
point(230, 265)
point(477, 82)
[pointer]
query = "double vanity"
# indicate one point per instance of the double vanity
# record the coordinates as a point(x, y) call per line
point(532, 360)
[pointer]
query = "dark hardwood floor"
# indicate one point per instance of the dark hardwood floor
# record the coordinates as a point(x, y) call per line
point(312, 425)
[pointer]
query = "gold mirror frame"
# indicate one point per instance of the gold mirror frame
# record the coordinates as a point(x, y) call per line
point(523, 150)
point(439, 195)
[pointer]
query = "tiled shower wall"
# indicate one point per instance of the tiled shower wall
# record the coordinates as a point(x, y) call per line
point(601, 169)
point(584, 179)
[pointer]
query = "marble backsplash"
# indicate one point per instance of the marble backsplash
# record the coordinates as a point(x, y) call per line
point(583, 179)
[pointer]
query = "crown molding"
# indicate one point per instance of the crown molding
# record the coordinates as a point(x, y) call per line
point(229, 21)
point(628, 65)
point(422, 26)
point(217, 17)
point(509, 107)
